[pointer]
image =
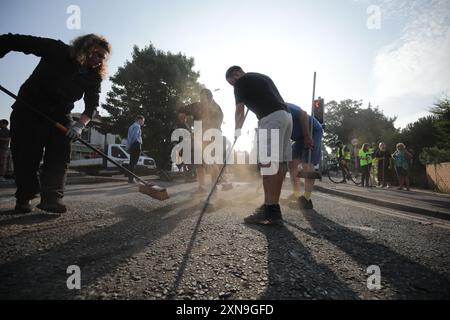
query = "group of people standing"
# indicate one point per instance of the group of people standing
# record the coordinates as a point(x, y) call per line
point(368, 157)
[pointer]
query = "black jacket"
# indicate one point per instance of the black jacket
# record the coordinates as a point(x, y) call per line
point(57, 81)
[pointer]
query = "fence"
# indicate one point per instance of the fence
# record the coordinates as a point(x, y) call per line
point(439, 176)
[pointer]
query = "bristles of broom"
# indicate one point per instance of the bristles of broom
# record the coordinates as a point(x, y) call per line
point(154, 191)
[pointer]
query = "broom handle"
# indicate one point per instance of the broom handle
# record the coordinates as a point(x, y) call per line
point(64, 130)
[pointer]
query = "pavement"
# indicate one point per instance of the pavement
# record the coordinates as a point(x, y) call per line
point(423, 202)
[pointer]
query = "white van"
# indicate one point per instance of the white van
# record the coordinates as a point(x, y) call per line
point(85, 160)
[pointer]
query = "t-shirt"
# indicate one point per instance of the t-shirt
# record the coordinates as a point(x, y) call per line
point(401, 160)
point(211, 115)
point(258, 92)
point(4, 134)
point(297, 130)
point(380, 155)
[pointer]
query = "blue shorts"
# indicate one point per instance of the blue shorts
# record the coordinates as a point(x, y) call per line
point(300, 153)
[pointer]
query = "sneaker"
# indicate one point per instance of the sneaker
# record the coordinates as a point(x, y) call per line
point(23, 207)
point(305, 204)
point(265, 215)
point(227, 186)
point(199, 191)
point(273, 214)
point(258, 216)
point(55, 206)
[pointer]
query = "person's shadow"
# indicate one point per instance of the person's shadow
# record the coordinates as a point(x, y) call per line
point(408, 278)
point(294, 274)
point(42, 275)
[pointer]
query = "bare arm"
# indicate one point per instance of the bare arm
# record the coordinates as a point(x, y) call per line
point(239, 116)
point(85, 119)
point(304, 124)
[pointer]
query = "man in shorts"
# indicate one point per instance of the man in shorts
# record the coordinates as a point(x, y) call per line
point(303, 144)
point(211, 115)
point(261, 96)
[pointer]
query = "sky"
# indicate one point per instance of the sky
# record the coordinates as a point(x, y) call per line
point(394, 54)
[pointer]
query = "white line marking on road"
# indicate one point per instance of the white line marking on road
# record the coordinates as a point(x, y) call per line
point(393, 213)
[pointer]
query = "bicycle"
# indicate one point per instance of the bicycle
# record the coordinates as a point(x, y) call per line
point(335, 172)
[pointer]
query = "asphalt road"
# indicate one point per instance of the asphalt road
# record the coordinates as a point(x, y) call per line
point(129, 246)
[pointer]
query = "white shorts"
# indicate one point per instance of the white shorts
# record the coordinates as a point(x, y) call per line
point(270, 147)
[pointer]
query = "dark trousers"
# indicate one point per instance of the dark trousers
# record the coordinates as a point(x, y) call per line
point(135, 152)
point(365, 175)
point(383, 173)
point(3, 161)
point(34, 139)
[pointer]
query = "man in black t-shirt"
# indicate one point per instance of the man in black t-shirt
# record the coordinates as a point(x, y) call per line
point(261, 96)
point(210, 114)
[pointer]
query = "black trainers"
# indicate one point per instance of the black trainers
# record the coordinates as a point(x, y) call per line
point(55, 206)
point(258, 216)
point(199, 191)
point(305, 204)
point(23, 207)
point(265, 215)
point(273, 214)
point(227, 186)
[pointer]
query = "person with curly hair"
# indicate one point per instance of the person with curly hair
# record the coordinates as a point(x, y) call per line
point(402, 158)
point(65, 74)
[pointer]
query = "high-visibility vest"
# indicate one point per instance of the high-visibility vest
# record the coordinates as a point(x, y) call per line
point(347, 153)
point(344, 153)
point(364, 158)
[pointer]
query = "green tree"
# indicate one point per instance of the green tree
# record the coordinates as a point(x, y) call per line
point(347, 120)
point(442, 124)
point(417, 136)
point(440, 151)
point(152, 84)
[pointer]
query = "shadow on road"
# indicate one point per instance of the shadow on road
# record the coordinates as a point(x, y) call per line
point(42, 275)
point(293, 271)
point(409, 279)
point(26, 219)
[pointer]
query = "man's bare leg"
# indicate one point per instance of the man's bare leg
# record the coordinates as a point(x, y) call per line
point(309, 183)
point(272, 185)
point(200, 170)
point(295, 181)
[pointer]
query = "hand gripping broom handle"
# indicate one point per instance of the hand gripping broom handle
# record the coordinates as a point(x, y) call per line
point(64, 130)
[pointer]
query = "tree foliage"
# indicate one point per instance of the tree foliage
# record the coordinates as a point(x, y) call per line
point(152, 85)
point(347, 120)
point(439, 151)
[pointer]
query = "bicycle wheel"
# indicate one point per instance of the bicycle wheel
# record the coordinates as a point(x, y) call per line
point(356, 177)
point(335, 174)
point(355, 174)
